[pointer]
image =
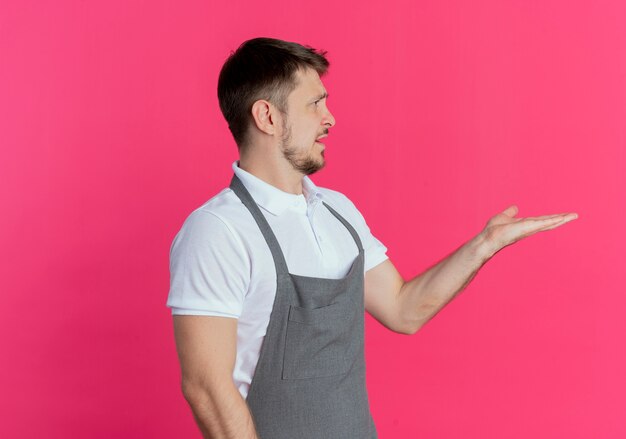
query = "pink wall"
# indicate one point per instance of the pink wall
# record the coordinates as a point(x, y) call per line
point(447, 112)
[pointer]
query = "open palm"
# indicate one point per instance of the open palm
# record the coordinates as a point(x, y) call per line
point(504, 229)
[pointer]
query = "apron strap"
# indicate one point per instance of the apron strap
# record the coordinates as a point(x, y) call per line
point(279, 259)
point(353, 232)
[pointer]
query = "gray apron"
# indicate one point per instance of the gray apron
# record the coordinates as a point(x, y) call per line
point(309, 382)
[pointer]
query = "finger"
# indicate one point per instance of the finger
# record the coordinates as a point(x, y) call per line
point(544, 217)
point(558, 224)
point(550, 222)
point(570, 215)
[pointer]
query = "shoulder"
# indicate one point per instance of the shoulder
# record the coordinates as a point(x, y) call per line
point(215, 223)
point(209, 263)
point(225, 205)
point(221, 210)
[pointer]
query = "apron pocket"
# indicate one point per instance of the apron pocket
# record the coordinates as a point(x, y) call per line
point(320, 342)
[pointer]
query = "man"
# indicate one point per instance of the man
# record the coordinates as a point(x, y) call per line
point(271, 277)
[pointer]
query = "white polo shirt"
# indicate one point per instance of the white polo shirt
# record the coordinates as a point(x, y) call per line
point(221, 265)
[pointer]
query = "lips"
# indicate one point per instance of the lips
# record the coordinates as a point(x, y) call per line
point(321, 137)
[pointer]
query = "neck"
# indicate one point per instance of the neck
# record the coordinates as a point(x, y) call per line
point(279, 174)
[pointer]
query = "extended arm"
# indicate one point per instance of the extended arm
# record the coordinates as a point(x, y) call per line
point(405, 307)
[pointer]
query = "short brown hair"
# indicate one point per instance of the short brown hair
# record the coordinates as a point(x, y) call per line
point(262, 68)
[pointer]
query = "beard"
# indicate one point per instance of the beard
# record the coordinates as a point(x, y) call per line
point(306, 164)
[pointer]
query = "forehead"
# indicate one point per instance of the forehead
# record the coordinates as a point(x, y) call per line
point(309, 85)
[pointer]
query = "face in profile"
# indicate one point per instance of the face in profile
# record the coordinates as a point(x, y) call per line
point(306, 122)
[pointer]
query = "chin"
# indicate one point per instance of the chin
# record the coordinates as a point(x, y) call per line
point(314, 166)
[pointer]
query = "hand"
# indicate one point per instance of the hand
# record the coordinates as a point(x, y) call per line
point(503, 229)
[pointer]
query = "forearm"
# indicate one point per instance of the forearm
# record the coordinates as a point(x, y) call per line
point(222, 414)
point(422, 297)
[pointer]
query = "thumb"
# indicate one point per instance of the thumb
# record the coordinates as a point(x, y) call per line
point(511, 211)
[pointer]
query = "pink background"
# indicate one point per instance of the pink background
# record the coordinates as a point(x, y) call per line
point(447, 112)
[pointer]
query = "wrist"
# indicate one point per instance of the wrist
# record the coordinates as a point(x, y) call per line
point(482, 247)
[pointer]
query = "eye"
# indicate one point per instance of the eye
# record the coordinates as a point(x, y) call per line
point(316, 102)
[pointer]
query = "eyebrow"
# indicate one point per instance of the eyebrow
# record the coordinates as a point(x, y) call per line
point(320, 97)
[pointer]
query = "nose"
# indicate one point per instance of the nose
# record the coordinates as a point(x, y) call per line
point(329, 119)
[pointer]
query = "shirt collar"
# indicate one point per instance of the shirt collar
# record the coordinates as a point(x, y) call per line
point(274, 200)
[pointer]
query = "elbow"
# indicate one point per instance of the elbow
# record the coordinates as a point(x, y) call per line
point(411, 322)
point(203, 393)
point(409, 328)
point(412, 330)
point(191, 394)
point(195, 394)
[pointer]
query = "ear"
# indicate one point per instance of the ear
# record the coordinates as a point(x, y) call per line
point(264, 115)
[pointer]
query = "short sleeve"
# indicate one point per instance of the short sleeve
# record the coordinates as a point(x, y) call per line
point(209, 268)
point(375, 251)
